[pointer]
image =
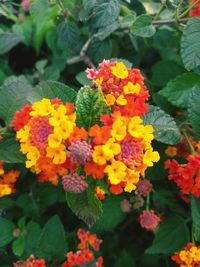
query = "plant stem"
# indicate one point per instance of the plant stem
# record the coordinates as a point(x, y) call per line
point(188, 9)
point(159, 11)
point(169, 21)
point(192, 151)
point(148, 202)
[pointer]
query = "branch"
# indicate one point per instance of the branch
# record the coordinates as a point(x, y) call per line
point(168, 21)
point(83, 56)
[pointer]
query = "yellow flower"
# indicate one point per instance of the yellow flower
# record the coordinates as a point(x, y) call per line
point(171, 151)
point(32, 156)
point(116, 172)
point(119, 70)
point(24, 147)
point(58, 115)
point(23, 134)
point(99, 156)
point(65, 129)
point(121, 101)
point(111, 148)
point(118, 130)
point(150, 156)
point(110, 99)
point(131, 180)
point(42, 108)
point(131, 88)
point(54, 139)
point(99, 81)
point(5, 189)
point(58, 154)
point(135, 128)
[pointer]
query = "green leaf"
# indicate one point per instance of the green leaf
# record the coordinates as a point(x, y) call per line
point(99, 50)
point(18, 246)
point(8, 40)
point(125, 259)
point(90, 104)
point(177, 91)
point(51, 90)
point(85, 205)
point(52, 242)
point(104, 13)
point(193, 108)
point(125, 61)
point(172, 235)
point(112, 214)
point(14, 95)
point(6, 235)
point(104, 32)
point(195, 208)
point(82, 78)
point(190, 48)
point(9, 150)
point(68, 32)
point(142, 26)
point(32, 237)
point(165, 128)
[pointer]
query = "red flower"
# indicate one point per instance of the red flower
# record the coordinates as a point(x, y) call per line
point(148, 220)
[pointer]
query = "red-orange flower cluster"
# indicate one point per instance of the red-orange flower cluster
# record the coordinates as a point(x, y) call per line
point(123, 88)
point(31, 262)
point(7, 180)
point(88, 242)
point(195, 11)
point(186, 176)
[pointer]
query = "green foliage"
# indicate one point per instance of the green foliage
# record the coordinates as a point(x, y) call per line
point(195, 209)
point(8, 40)
point(125, 259)
point(177, 90)
point(52, 241)
point(193, 108)
point(86, 206)
point(90, 104)
point(165, 128)
point(190, 48)
point(7, 234)
point(172, 235)
point(142, 26)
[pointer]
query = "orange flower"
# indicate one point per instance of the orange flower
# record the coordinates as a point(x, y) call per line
point(95, 170)
point(78, 134)
point(11, 177)
point(101, 135)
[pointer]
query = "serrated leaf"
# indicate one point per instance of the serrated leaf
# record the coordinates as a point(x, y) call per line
point(112, 214)
point(51, 90)
point(104, 13)
point(81, 77)
point(86, 206)
point(142, 26)
point(8, 40)
point(18, 246)
point(172, 235)
point(195, 208)
point(90, 104)
point(6, 235)
point(68, 33)
point(99, 50)
point(190, 44)
point(177, 90)
point(165, 128)
point(52, 242)
point(14, 95)
point(193, 108)
point(9, 150)
point(104, 32)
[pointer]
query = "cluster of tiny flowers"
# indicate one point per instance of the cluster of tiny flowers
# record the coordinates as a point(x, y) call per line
point(186, 176)
point(195, 11)
point(121, 150)
point(45, 131)
point(7, 180)
point(31, 262)
point(188, 257)
point(149, 220)
point(144, 187)
point(123, 88)
point(85, 254)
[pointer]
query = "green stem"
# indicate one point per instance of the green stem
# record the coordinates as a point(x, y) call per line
point(192, 235)
point(159, 11)
point(192, 151)
point(148, 202)
point(188, 9)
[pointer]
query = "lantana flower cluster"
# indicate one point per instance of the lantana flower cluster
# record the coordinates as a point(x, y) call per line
point(87, 246)
point(118, 149)
point(188, 257)
point(195, 11)
point(7, 180)
point(31, 262)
